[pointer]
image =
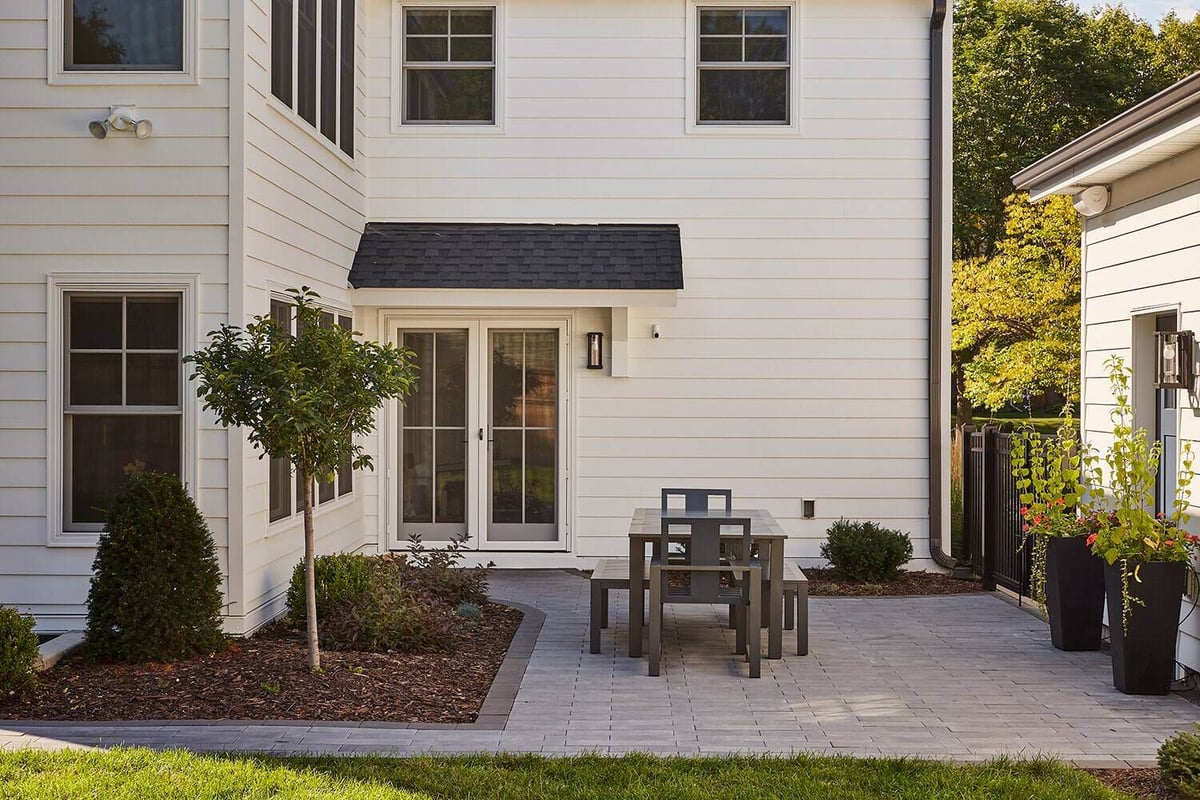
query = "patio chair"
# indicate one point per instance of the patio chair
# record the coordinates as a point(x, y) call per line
point(704, 566)
point(695, 500)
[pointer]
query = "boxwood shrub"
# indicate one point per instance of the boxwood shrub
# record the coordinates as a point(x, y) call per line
point(18, 651)
point(156, 592)
point(1179, 763)
point(865, 551)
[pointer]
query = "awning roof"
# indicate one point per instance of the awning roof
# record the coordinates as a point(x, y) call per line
point(409, 255)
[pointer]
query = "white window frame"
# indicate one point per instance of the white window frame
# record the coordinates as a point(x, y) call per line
point(295, 504)
point(499, 90)
point(59, 285)
point(692, 125)
point(57, 74)
point(290, 113)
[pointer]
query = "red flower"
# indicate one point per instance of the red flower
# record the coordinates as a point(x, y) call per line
point(1091, 540)
point(1024, 511)
point(1025, 527)
point(1169, 542)
point(1193, 538)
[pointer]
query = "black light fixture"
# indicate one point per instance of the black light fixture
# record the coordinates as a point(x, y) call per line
point(595, 355)
point(1173, 360)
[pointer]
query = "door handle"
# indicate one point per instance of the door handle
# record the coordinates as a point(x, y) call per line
point(481, 436)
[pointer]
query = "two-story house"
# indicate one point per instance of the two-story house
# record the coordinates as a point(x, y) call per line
point(632, 243)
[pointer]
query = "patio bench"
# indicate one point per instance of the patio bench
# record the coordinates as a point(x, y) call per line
point(613, 573)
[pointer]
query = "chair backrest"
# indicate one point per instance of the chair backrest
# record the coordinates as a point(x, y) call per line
point(697, 499)
point(704, 550)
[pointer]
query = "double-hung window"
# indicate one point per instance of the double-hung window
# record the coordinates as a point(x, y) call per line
point(122, 404)
point(312, 64)
point(449, 65)
point(743, 66)
point(283, 503)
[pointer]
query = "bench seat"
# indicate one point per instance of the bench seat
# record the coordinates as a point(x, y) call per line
point(613, 574)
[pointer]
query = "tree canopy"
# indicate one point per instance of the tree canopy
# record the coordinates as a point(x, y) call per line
point(1030, 76)
point(304, 396)
point(1017, 312)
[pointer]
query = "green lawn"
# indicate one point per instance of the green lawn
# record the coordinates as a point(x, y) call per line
point(126, 774)
point(1008, 423)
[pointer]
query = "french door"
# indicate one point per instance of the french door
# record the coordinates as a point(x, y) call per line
point(479, 446)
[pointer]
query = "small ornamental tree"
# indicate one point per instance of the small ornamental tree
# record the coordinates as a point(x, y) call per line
point(304, 397)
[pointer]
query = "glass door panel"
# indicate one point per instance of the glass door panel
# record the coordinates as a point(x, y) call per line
point(524, 419)
point(433, 438)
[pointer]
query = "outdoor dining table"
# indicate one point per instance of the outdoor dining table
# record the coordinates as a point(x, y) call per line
point(646, 529)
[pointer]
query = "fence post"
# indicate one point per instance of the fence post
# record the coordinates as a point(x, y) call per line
point(991, 507)
point(966, 489)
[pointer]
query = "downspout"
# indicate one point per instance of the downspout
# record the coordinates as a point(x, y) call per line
point(939, 285)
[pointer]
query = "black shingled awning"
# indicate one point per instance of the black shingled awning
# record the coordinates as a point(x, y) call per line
point(407, 255)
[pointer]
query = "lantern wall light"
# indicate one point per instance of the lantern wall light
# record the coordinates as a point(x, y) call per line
point(595, 350)
point(1173, 362)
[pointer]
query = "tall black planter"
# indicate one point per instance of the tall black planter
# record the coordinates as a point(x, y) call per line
point(1143, 657)
point(1074, 593)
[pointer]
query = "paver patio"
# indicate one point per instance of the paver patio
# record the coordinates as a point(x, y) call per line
point(963, 677)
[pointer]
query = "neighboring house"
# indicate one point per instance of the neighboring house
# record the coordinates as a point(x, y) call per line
point(747, 200)
point(1136, 183)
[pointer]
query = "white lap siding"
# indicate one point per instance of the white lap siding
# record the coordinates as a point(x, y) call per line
point(795, 363)
point(72, 204)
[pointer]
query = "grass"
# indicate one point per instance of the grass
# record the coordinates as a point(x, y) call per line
point(1008, 423)
point(126, 774)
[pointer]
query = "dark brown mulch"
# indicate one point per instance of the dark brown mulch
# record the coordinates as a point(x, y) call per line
point(1141, 783)
point(822, 584)
point(266, 677)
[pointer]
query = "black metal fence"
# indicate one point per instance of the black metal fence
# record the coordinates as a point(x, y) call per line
point(996, 545)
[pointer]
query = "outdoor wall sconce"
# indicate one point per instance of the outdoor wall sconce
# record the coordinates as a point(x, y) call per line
point(595, 354)
point(1173, 361)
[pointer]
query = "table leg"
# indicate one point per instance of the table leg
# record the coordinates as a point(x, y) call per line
point(775, 608)
point(637, 555)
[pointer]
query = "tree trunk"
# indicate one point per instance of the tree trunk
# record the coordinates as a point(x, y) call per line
point(310, 577)
point(963, 410)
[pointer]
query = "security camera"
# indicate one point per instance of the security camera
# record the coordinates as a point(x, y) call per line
point(1091, 201)
point(121, 118)
point(656, 331)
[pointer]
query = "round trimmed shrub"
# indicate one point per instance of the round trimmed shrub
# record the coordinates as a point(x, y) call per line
point(1179, 762)
point(156, 592)
point(865, 551)
point(339, 577)
point(18, 651)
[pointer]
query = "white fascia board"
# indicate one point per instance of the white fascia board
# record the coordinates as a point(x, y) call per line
point(515, 298)
point(1116, 166)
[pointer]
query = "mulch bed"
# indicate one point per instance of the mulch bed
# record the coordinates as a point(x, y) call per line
point(266, 678)
point(822, 584)
point(1137, 782)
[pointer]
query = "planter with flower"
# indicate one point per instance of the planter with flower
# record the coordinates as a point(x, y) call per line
point(1146, 555)
point(1066, 581)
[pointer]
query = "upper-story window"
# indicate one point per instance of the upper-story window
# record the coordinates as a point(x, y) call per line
point(130, 35)
point(744, 66)
point(449, 65)
point(312, 64)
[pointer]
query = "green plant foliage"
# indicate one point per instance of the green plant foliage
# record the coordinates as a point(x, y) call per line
point(307, 397)
point(18, 651)
point(375, 604)
point(1129, 531)
point(439, 572)
point(338, 576)
point(1015, 313)
point(865, 551)
point(156, 592)
point(1179, 762)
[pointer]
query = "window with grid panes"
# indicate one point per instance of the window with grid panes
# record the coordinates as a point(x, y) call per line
point(122, 397)
point(743, 66)
point(449, 65)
